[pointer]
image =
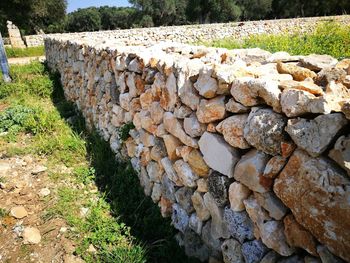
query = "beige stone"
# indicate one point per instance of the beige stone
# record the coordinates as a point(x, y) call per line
point(18, 212)
point(232, 130)
point(341, 153)
point(198, 204)
point(186, 175)
point(274, 166)
point(297, 72)
point(206, 85)
point(31, 235)
point(197, 163)
point(168, 96)
point(235, 107)
point(308, 86)
point(193, 127)
point(211, 110)
point(237, 194)
point(174, 127)
point(171, 143)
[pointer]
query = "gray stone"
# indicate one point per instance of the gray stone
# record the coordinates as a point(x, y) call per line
point(183, 197)
point(213, 243)
point(271, 257)
point(186, 175)
point(218, 187)
point(265, 130)
point(239, 225)
point(218, 226)
point(327, 75)
point(254, 251)
point(235, 107)
point(179, 218)
point(218, 154)
point(315, 135)
point(170, 172)
point(231, 251)
point(317, 62)
point(272, 204)
point(195, 224)
point(326, 256)
point(168, 188)
point(194, 246)
point(193, 127)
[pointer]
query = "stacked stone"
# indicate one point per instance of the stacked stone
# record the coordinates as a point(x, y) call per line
point(247, 151)
point(197, 33)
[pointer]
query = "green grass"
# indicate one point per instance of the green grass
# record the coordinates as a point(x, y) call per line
point(328, 38)
point(121, 223)
point(25, 52)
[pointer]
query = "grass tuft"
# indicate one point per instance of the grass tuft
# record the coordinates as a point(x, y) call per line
point(25, 52)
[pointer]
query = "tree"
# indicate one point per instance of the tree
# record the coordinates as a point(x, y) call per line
point(256, 9)
point(117, 17)
point(32, 15)
point(87, 19)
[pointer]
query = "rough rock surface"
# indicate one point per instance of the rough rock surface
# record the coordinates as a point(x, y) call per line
point(298, 73)
point(318, 195)
point(231, 251)
point(341, 153)
point(315, 135)
point(317, 62)
point(218, 187)
point(218, 154)
point(249, 171)
point(265, 130)
point(254, 251)
point(232, 130)
point(211, 110)
point(237, 193)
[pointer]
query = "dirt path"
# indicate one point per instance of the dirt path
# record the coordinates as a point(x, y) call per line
point(25, 60)
point(27, 232)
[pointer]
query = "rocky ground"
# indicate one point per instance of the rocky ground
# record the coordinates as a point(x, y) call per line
point(28, 233)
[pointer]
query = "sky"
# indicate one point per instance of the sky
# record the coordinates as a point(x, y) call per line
point(75, 4)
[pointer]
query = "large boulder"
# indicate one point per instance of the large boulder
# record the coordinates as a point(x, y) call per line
point(318, 194)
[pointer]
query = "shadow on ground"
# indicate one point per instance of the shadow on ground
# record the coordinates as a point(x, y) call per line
point(122, 190)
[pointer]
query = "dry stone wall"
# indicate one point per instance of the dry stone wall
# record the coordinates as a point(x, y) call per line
point(246, 151)
point(195, 33)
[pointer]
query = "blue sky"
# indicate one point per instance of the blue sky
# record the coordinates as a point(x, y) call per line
point(75, 4)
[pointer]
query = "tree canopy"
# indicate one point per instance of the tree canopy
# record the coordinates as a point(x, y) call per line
point(50, 15)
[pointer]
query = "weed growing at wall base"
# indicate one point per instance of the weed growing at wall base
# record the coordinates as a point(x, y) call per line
point(25, 52)
point(328, 38)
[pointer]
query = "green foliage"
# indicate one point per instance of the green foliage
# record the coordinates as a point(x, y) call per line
point(255, 9)
point(3, 212)
point(25, 52)
point(328, 38)
point(32, 15)
point(87, 19)
point(124, 131)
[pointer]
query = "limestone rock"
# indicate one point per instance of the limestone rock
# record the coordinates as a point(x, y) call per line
point(326, 256)
point(274, 166)
point(315, 135)
point(237, 193)
point(341, 153)
point(218, 154)
point(218, 226)
point(18, 212)
point(265, 130)
point(317, 62)
point(249, 171)
point(193, 127)
point(232, 130)
point(297, 72)
point(195, 224)
point(272, 235)
point(318, 195)
point(183, 198)
point(328, 75)
point(218, 187)
point(169, 170)
point(194, 246)
point(231, 251)
point(145, 182)
point(299, 102)
point(202, 185)
point(239, 225)
point(198, 204)
point(166, 208)
point(271, 204)
point(179, 218)
point(182, 112)
point(214, 244)
point(206, 85)
point(308, 86)
point(186, 175)
point(146, 99)
point(156, 112)
point(168, 189)
point(174, 127)
point(253, 251)
point(235, 107)
point(156, 192)
point(298, 236)
point(211, 110)
point(168, 97)
point(197, 163)
point(171, 143)
point(252, 92)
point(31, 235)
point(158, 151)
